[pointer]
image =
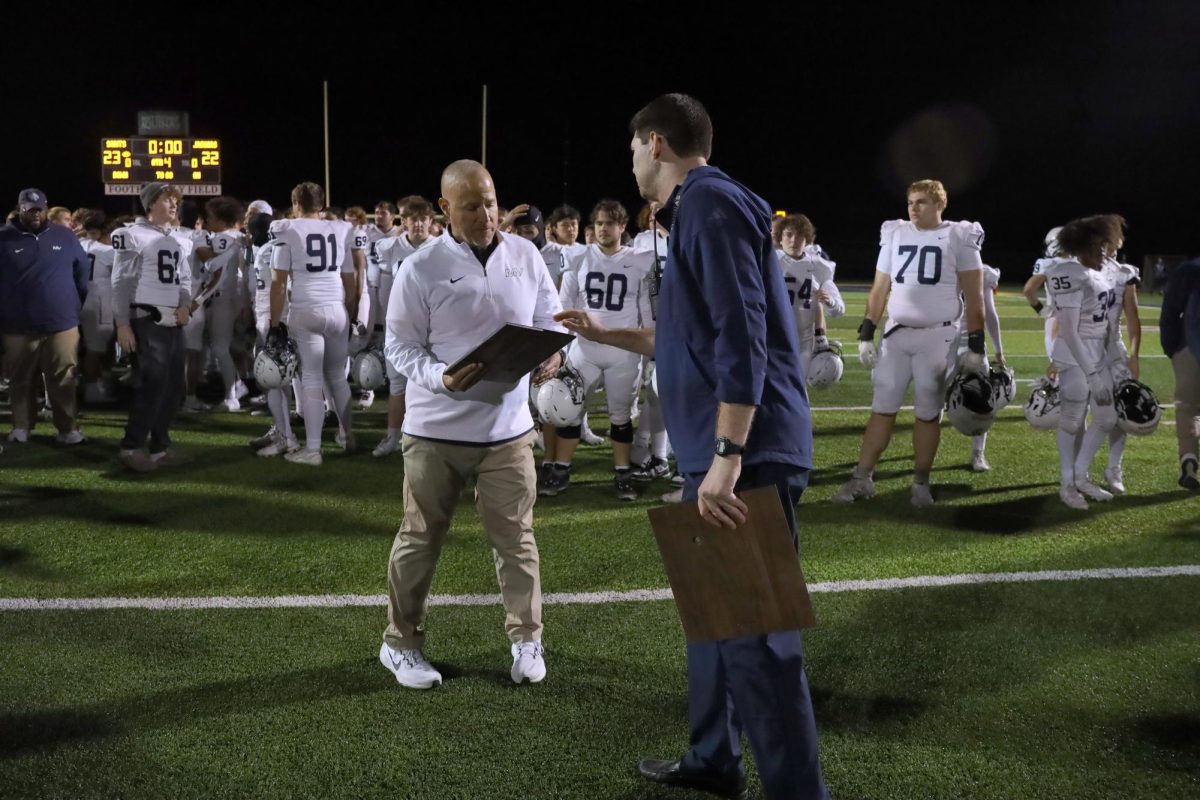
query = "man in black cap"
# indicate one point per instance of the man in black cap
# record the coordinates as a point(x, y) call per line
point(43, 281)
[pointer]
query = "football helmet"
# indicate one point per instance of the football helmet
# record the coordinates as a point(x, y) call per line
point(1004, 386)
point(276, 364)
point(1138, 411)
point(560, 400)
point(1053, 248)
point(969, 404)
point(368, 369)
point(1043, 409)
point(826, 367)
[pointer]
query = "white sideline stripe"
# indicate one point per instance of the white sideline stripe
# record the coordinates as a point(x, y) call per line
point(581, 598)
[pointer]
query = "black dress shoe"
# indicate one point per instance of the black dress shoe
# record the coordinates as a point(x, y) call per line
point(669, 772)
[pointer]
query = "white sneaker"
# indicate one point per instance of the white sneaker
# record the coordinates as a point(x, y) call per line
point(979, 463)
point(279, 447)
point(264, 440)
point(528, 662)
point(1071, 497)
point(1115, 478)
point(71, 438)
point(1091, 490)
point(231, 404)
point(853, 489)
point(18, 435)
point(386, 446)
point(365, 399)
point(922, 495)
point(311, 458)
point(240, 389)
point(589, 437)
point(673, 497)
point(193, 405)
point(410, 667)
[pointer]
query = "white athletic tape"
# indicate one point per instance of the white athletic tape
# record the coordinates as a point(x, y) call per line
point(569, 598)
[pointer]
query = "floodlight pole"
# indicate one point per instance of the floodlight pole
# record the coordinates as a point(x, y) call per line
point(328, 189)
point(483, 159)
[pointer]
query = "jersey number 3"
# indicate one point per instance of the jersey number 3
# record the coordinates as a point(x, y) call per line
point(926, 275)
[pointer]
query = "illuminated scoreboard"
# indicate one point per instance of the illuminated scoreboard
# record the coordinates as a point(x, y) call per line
point(192, 165)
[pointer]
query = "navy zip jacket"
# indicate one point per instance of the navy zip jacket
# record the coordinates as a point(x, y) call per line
point(725, 330)
point(43, 279)
point(1179, 327)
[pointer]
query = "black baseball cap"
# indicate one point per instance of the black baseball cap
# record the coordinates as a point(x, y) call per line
point(30, 199)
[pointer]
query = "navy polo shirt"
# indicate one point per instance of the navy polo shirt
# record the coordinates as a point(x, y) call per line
point(725, 329)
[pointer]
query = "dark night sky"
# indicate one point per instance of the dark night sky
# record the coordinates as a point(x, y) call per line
point(1031, 117)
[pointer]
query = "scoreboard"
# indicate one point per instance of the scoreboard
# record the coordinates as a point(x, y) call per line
point(190, 164)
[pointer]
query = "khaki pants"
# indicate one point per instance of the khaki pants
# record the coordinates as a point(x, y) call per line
point(505, 489)
point(1187, 400)
point(32, 355)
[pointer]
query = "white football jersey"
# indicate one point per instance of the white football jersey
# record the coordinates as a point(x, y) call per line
point(229, 255)
point(646, 241)
point(804, 276)
point(374, 235)
point(100, 257)
point(262, 278)
point(316, 252)
point(1092, 291)
point(614, 289)
point(924, 267)
point(555, 255)
point(157, 258)
point(392, 250)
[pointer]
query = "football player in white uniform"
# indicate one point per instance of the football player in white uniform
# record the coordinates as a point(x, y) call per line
point(1085, 297)
point(810, 285)
point(651, 446)
point(384, 227)
point(317, 255)
point(197, 324)
point(1122, 361)
point(96, 316)
point(416, 213)
point(562, 232)
point(223, 293)
point(1038, 280)
point(991, 323)
point(151, 295)
point(927, 269)
point(279, 439)
point(613, 283)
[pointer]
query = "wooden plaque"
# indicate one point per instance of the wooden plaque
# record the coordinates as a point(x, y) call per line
point(731, 583)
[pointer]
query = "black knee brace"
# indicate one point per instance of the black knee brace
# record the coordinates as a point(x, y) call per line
point(570, 432)
point(621, 433)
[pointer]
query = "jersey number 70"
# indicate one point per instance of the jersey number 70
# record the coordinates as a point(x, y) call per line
point(923, 270)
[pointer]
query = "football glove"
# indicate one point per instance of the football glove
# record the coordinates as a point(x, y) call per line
point(1102, 390)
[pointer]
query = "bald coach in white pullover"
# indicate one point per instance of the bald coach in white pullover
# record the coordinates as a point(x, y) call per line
point(445, 299)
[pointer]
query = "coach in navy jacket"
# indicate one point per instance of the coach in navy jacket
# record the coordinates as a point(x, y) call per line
point(732, 390)
point(1179, 330)
point(43, 282)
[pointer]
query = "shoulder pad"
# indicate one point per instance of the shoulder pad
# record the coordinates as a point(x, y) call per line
point(991, 276)
point(968, 233)
point(887, 229)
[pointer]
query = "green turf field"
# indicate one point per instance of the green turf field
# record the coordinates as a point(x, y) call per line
point(1082, 689)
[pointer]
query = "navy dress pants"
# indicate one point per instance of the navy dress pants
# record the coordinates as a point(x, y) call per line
point(755, 684)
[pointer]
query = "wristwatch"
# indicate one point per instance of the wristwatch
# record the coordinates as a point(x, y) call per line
point(726, 447)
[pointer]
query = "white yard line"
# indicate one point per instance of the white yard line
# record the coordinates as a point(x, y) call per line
point(579, 598)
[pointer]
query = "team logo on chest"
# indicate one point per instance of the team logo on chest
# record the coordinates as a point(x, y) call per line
point(514, 272)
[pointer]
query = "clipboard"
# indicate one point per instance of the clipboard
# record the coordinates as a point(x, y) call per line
point(512, 351)
point(733, 583)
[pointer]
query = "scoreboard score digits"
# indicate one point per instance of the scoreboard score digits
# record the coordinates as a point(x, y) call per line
point(193, 165)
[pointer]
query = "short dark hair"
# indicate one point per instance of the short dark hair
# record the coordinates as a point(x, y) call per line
point(1080, 234)
point(309, 196)
point(415, 206)
point(613, 209)
point(386, 205)
point(226, 209)
point(563, 212)
point(93, 220)
point(678, 118)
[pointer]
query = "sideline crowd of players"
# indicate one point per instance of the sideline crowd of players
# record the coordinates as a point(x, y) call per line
point(294, 302)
